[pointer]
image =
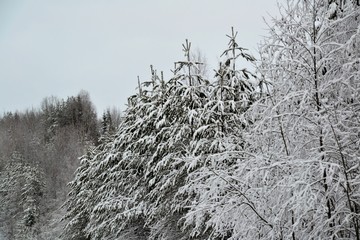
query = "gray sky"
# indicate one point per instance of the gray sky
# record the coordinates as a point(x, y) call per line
point(53, 47)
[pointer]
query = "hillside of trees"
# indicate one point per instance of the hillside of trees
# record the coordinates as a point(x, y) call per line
point(39, 149)
point(272, 153)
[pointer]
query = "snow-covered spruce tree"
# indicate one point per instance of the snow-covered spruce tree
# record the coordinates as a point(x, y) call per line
point(165, 173)
point(81, 199)
point(87, 191)
point(32, 193)
point(10, 209)
point(117, 205)
point(22, 188)
point(307, 122)
point(133, 146)
point(215, 192)
point(133, 196)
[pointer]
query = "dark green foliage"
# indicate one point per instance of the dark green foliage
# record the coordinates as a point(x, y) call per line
point(77, 112)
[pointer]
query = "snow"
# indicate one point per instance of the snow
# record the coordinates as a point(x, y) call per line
point(332, 9)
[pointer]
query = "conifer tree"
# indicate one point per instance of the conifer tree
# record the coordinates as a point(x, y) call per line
point(82, 199)
point(22, 191)
point(216, 151)
point(186, 96)
point(115, 173)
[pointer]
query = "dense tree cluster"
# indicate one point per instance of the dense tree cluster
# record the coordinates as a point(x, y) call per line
point(138, 183)
point(77, 112)
point(271, 156)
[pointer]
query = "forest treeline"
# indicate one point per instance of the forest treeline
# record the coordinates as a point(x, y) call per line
point(272, 153)
point(39, 149)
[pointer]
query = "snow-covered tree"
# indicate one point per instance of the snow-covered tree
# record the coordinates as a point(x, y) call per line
point(306, 123)
point(22, 189)
point(213, 192)
point(114, 174)
point(81, 200)
point(177, 120)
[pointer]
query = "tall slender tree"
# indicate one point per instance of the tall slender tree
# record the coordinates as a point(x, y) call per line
point(217, 150)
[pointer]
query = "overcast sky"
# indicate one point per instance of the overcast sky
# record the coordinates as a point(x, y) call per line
point(59, 47)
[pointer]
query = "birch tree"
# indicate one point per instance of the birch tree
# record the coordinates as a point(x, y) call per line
point(310, 77)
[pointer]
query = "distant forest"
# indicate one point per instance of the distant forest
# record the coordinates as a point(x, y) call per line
point(271, 153)
point(39, 149)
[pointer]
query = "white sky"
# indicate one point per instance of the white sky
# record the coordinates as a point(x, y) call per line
point(57, 48)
